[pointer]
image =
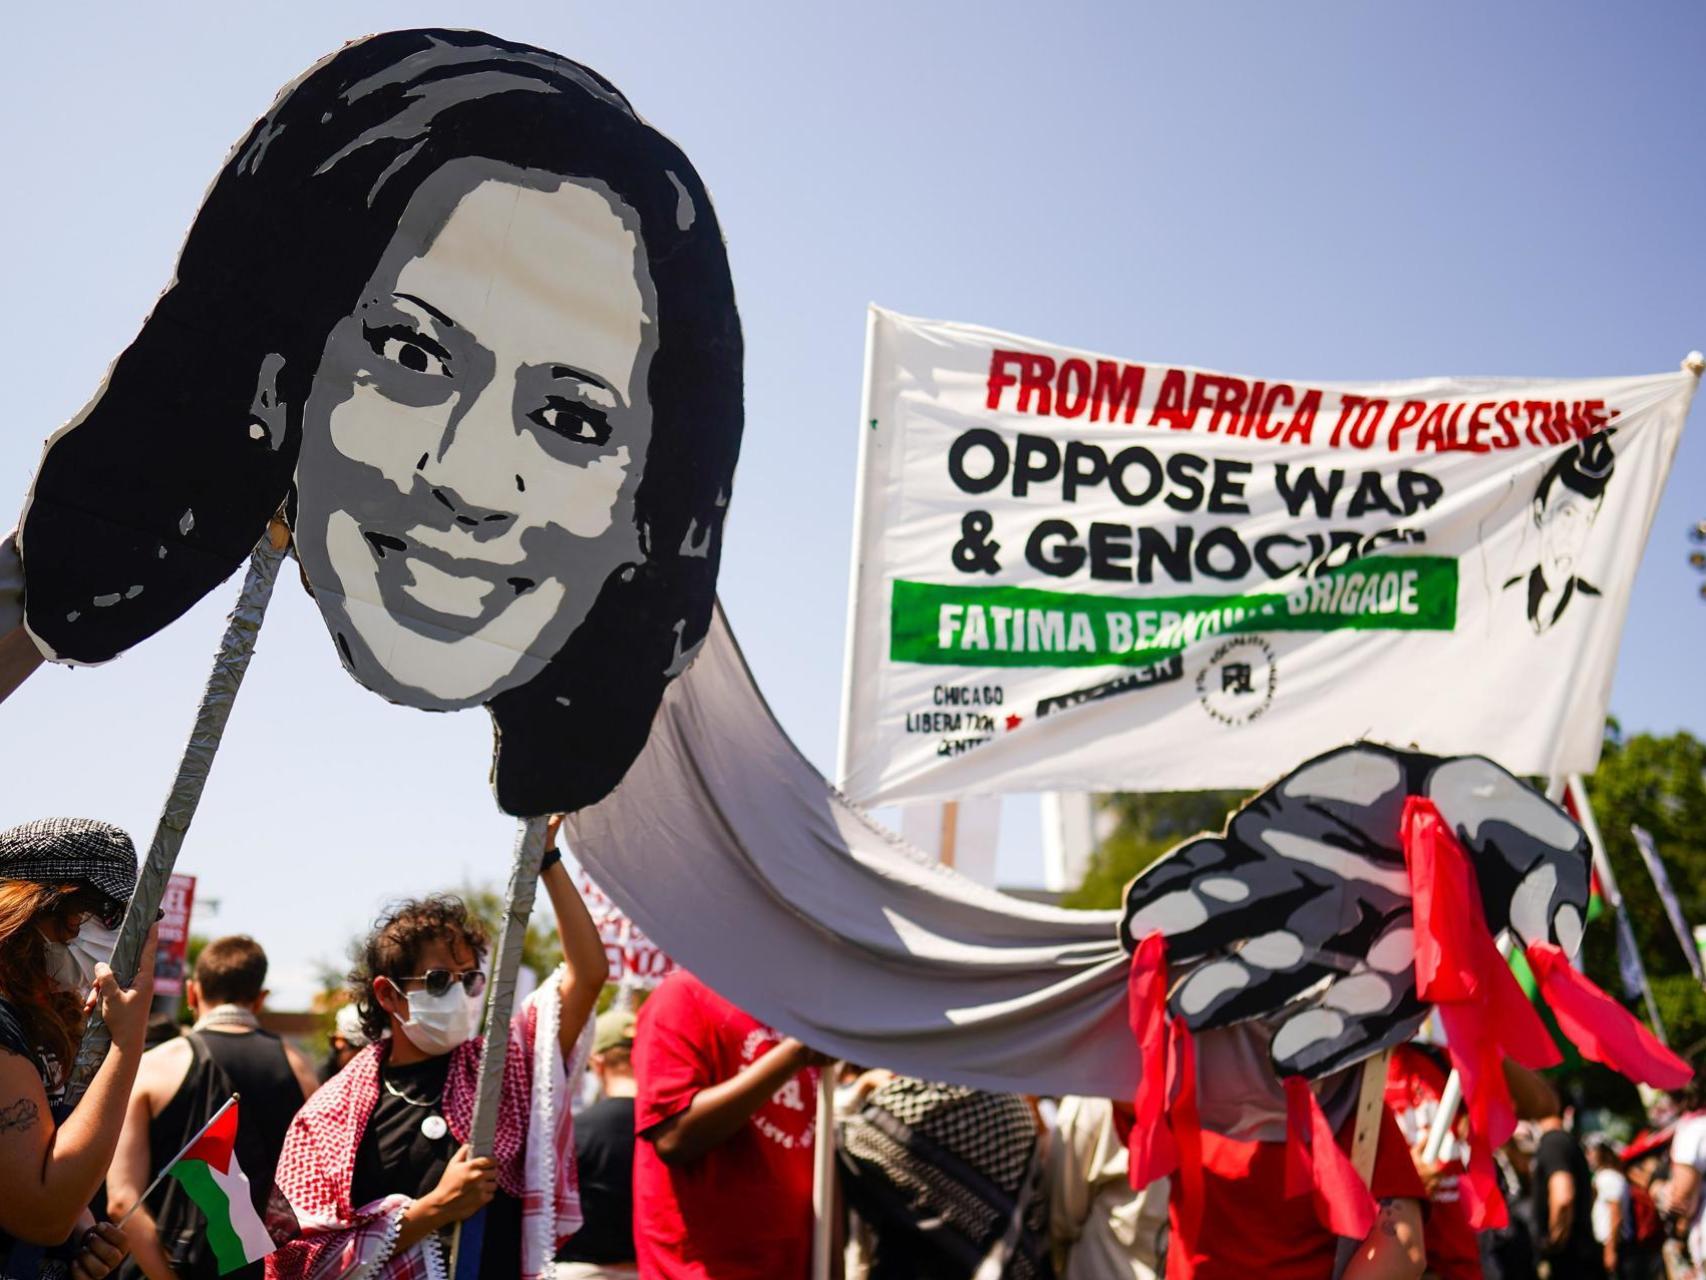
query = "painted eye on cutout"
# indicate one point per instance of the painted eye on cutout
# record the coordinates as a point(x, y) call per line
point(572, 420)
point(409, 348)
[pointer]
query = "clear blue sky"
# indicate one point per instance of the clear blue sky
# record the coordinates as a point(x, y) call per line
point(1297, 190)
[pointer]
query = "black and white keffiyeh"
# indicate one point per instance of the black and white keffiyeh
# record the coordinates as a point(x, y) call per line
point(82, 851)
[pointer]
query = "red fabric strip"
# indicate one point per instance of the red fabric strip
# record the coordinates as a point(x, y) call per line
point(1486, 1015)
point(1601, 1027)
point(1314, 1162)
point(1480, 1192)
point(1444, 903)
point(1186, 1125)
point(1151, 1153)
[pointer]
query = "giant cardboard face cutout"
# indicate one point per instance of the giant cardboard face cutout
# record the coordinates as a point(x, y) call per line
point(470, 319)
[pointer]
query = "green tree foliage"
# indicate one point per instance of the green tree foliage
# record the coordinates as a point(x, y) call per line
point(1660, 784)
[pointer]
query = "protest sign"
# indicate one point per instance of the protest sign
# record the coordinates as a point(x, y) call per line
point(172, 959)
point(501, 418)
point(634, 959)
point(1082, 573)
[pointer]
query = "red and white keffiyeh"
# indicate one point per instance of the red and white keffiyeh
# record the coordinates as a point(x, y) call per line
point(534, 1150)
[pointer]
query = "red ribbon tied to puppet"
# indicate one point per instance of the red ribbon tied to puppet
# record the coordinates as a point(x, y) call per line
point(1315, 1163)
point(1165, 1133)
point(1336, 907)
point(1487, 1016)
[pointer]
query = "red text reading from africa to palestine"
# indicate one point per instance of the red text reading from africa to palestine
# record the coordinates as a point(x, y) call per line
point(1192, 400)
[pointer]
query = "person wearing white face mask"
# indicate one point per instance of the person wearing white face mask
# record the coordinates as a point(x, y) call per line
point(64, 883)
point(376, 1166)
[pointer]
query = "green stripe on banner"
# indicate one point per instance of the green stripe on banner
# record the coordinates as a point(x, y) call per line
point(972, 626)
point(198, 1182)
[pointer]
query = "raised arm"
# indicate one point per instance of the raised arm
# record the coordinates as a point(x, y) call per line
point(49, 1174)
point(583, 949)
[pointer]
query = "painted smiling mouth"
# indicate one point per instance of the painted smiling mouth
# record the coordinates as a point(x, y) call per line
point(384, 543)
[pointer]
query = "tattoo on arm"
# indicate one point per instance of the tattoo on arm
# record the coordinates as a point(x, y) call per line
point(1388, 1220)
point(21, 1115)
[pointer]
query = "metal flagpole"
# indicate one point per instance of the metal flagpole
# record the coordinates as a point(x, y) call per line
point(500, 1002)
point(823, 1153)
point(856, 570)
point(235, 649)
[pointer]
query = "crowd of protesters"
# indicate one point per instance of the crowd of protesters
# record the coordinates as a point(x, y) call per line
point(678, 1143)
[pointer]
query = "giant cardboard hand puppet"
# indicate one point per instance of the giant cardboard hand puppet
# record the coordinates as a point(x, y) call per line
point(1301, 912)
point(1337, 909)
point(468, 318)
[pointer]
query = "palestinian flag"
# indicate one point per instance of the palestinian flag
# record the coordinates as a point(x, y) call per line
point(210, 1175)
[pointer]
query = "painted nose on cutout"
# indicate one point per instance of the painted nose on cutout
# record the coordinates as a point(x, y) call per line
point(475, 474)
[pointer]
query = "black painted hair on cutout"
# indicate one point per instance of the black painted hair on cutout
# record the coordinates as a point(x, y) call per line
point(160, 489)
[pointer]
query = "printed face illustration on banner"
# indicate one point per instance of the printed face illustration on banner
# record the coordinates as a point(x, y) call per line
point(1300, 914)
point(469, 319)
point(1566, 504)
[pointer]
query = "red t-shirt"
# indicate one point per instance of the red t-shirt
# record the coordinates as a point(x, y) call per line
point(744, 1210)
point(1251, 1227)
point(1414, 1083)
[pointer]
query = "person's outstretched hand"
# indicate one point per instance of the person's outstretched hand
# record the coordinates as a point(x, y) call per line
point(1300, 913)
point(126, 1011)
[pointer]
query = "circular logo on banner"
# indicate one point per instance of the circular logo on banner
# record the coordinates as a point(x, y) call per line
point(1237, 683)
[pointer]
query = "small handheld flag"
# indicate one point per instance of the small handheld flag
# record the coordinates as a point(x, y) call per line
point(208, 1171)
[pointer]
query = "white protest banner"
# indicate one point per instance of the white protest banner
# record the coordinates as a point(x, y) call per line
point(1073, 572)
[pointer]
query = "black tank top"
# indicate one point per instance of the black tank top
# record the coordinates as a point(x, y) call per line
point(251, 1064)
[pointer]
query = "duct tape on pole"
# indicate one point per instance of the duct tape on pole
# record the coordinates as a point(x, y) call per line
point(466, 1243)
point(236, 647)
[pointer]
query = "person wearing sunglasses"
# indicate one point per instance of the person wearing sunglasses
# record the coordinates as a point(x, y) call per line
point(63, 881)
point(376, 1165)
